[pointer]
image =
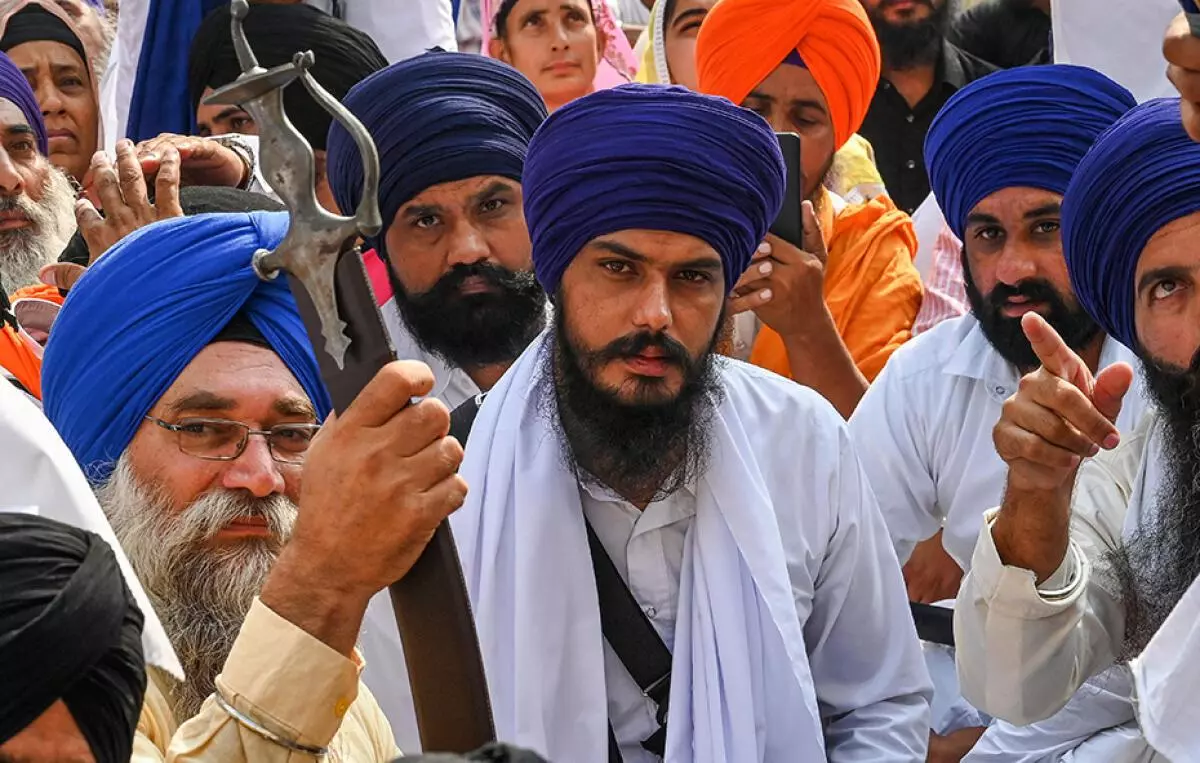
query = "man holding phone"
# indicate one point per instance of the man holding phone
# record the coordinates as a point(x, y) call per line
point(832, 306)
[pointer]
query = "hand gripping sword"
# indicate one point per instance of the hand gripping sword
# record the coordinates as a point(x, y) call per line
point(328, 280)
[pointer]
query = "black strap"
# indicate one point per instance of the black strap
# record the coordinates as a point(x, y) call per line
point(622, 621)
point(934, 624)
point(631, 635)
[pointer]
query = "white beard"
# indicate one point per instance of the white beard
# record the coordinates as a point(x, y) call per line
point(200, 592)
point(24, 252)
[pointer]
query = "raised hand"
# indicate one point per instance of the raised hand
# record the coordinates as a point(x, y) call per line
point(1182, 50)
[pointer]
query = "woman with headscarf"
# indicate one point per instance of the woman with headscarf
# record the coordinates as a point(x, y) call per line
point(567, 49)
point(46, 44)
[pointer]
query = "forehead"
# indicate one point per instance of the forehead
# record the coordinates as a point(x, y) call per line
point(694, 8)
point(246, 374)
point(1016, 202)
point(31, 55)
point(1173, 245)
point(656, 247)
point(11, 115)
point(527, 6)
point(789, 82)
point(455, 192)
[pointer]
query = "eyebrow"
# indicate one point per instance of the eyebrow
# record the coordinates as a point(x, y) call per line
point(496, 187)
point(797, 103)
point(18, 129)
point(1046, 210)
point(202, 401)
point(696, 263)
point(1169, 272)
point(689, 14)
point(979, 218)
point(294, 406)
point(227, 114)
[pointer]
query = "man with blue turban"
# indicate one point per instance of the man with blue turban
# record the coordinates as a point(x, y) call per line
point(452, 130)
point(187, 390)
point(731, 532)
point(1000, 153)
point(1084, 563)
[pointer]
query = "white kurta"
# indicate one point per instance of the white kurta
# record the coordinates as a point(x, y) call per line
point(39, 475)
point(792, 639)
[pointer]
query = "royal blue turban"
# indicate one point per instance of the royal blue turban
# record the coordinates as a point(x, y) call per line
point(1025, 127)
point(436, 118)
point(14, 87)
point(651, 157)
point(1143, 173)
point(146, 309)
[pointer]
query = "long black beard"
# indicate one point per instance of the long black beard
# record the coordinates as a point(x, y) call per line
point(643, 447)
point(1153, 568)
point(1071, 322)
point(906, 46)
point(470, 331)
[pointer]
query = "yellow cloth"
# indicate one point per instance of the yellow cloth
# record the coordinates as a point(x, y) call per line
point(854, 175)
point(286, 680)
point(872, 288)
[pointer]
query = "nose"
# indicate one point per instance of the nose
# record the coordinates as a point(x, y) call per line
point(11, 181)
point(561, 39)
point(1016, 263)
point(48, 97)
point(653, 310)
point(254, 470)
point(467, 245)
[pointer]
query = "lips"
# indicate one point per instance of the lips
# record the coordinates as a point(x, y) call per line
point(13, 219)
point(246, 527)
point(562, 67)
point(652, 362)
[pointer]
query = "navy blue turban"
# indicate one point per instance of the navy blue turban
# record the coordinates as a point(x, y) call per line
point(1026, 127)
point(146, 309)
point(651, 157)
point(1142, 174)
point(14, 87)
point(436, 118)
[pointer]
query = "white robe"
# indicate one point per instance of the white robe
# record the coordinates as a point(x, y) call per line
point(793, 640)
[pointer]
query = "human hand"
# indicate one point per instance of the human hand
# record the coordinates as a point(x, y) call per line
point(953, 747)
point(377, 482)
point(202, 161)
point(1181, 48)
point(121, 192)
point(1059, 415)
point(930, 574)
point(784, 285)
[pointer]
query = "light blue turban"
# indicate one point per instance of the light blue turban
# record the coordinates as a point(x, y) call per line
point(651, 157)
point(1027, 127)
point(1142, 174)
point(146, 309)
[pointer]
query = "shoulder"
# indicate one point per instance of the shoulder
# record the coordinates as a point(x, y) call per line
point(772, 403)
point(973, 66)
point(928, 353)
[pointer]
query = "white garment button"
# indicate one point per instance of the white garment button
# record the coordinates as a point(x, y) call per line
point(909, 118)
point(911, 164)
point(1001, 391)
point(650, 611)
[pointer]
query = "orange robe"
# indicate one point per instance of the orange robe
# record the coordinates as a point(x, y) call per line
point(872, 288)
point(16, 355)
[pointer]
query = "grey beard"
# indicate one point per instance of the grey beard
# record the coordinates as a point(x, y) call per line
point(200, 592)
point(24, 252)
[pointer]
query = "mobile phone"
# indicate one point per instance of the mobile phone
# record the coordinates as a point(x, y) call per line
point(789, 226)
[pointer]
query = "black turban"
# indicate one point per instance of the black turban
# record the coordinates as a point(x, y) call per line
point(344, 56)
point(34, 23)
point(69, 630)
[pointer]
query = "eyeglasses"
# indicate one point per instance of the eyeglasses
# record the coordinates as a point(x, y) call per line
point(224, 440)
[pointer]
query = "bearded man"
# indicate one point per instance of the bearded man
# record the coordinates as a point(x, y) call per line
point(452, 131)
point(188, 392)
point(722, 507)
point(921, 70)
point(1085, 558)
point(829, 311)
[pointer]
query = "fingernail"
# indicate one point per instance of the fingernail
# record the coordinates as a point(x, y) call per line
point(151, 157)
point(764, 248)
point(1092, 451)
point(98, 157)
point(764, 295)
point(765, 269)
point(1112, 441)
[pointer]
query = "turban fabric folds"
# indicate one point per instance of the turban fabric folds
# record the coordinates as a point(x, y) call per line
point(651, 157)
point(1027, 127)
point(343, 56)
point(14, 87)
point(436, 118)
point(69, 630)
point(1141, 174)
point(743, 41)
point(138, 316)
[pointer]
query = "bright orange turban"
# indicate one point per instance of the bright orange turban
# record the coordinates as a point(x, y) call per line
point(742, 41)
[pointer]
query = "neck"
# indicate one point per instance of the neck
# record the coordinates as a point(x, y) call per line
point(485, 377)
point(913, 83)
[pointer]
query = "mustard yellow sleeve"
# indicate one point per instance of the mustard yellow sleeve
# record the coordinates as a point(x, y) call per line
point(294, 685)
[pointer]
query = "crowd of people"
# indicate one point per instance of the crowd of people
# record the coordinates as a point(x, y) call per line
point(716, 491)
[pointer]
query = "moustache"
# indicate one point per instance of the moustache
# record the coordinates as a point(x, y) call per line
point(1033, 290)
point(216, 509)
point(632, 345)
point(498, 278)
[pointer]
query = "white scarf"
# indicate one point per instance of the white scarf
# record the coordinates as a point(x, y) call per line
point(740, 683)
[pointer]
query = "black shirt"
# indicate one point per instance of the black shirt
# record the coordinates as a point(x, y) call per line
point(897, 133)
point(1005, 33)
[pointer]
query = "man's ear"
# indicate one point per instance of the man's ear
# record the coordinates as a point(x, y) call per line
point(498, 50)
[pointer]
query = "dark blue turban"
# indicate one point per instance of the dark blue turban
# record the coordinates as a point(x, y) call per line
point(1142, 174)
point(651, 157)
point(1026, 127)
point(14, 87)
point(146, 309)
point(436, 118)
